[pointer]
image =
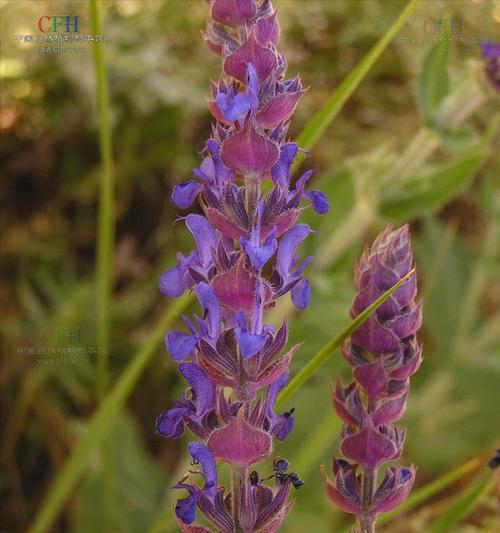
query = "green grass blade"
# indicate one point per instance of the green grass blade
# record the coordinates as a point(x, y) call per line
point(463, 504)
point(308, 370)
point(101, 421)
point(308, 456)
point(319, 122)
point(105, 222)
point(427, 491)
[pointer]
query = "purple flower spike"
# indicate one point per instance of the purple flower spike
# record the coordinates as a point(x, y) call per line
point(245, 258)
point(383, 353)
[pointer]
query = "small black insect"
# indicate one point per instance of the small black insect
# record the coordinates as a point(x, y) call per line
point(254, 478)
point(280, 469)
point(296, 481)
point(280, 466)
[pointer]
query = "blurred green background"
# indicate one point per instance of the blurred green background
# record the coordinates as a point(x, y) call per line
point(417, 142)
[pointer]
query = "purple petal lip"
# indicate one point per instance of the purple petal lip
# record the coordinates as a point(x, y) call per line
point(184, 194)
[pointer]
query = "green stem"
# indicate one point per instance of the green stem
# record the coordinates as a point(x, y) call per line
point(472, 293)
point(105, 223)
point(104, 259)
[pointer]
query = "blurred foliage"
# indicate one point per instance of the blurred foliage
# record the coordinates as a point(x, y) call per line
point(415, 142)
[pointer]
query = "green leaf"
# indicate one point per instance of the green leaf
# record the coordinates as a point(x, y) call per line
point(308, 370)
point(100, 423)
point(426, 191)
point(459, 141)
point(463, 504)
point(433, 81)
point(320, 121)
point(426, 492)
point(138, 484)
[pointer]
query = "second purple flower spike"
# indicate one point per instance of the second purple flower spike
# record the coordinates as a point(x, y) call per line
point(383, 353)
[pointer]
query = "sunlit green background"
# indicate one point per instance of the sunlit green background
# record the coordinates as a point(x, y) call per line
point(417, 142)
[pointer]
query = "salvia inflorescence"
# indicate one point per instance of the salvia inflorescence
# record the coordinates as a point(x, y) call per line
point(245, 259)
point(383, 353)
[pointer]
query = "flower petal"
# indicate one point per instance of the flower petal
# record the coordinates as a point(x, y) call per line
point(300, 294)
point(281, 169)
point(249, 343)
point(202, 388)
point(179, 344)
point(288, 246)
point(184, 194)
point(170, 423)
point(210, 306)
point(318, 201)
point(171, 282)
point(185, 508)
point(203, 456)
point(204, 236)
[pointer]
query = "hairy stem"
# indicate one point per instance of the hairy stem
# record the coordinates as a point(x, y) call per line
point(367, 521)
point(252, 192)
point(236, 481)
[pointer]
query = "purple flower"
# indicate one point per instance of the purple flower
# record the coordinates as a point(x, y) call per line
point(185, 507)
point(490, 51)
point(245, 258)
point(193, 409)
point(383, 353)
